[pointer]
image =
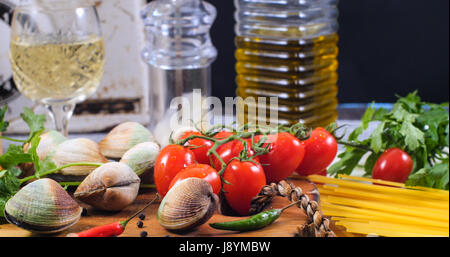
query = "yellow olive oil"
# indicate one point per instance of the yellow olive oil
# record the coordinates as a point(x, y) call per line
point(301, 73)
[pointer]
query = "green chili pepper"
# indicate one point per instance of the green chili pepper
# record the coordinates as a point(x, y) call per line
point(257, 221)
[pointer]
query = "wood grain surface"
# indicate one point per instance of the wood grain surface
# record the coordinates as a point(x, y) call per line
point(285, 226)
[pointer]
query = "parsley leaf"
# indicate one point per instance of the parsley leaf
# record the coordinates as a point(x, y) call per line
point(9, 186)
point(14, 156)
point(366, 119)
point(376, 141)
point(34, 142)
point(414, 137)
point(347, 162)
point(436, 176)
point(419, 128)
point(35, 122)
point(370, 163)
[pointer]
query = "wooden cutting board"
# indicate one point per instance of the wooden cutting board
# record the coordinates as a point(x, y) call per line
point(285, 226)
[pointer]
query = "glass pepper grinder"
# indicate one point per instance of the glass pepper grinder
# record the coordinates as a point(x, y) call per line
point(180, 53)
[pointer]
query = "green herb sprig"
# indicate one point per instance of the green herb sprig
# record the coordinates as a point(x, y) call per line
point(419, 128)
point(15, 155)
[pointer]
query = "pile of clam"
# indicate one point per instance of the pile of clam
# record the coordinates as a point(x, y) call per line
point(127, 153)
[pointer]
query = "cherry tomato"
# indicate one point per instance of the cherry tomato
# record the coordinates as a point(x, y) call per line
point(230, 150)
point(323, 173)
point(171, 160)
point(223, 134)
point(320, 150)
point(393, 165)
point(246, 180)
point(200, 146)
point(286, 154)
point(202, 171)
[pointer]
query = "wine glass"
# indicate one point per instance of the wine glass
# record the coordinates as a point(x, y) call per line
point(57, 55)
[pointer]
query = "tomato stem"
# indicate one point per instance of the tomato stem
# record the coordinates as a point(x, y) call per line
point(297, 130)
point(240, 135)
point(182, 142)
point(356, 145)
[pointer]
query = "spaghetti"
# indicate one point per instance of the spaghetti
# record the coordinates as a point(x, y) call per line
point(376, 207)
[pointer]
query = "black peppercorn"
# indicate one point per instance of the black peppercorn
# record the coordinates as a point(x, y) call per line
point(142, 216)
point(140, 224)
point(144, 234)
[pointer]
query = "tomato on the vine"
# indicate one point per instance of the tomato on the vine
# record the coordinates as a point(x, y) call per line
point(322, 173)
point(285, 155)
point(229, 151)
point(171, 160)
point(246, 180)
point(223, 135)
point(200, 146)
point(393, 165)
point(320, 150)
point(202, 171)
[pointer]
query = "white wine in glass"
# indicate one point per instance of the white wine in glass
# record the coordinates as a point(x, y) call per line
point(57, 56)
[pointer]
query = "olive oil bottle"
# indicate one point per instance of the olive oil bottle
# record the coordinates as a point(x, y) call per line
point(288, 49)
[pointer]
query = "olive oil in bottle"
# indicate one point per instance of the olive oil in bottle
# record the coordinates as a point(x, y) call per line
point(288, 50)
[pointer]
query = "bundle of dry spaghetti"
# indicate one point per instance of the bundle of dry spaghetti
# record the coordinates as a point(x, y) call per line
point(376, 207)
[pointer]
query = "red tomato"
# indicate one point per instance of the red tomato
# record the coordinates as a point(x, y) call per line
point(171, 160)
point(202, 171)
point(320, 150)
point(223, 134)
point(200, 146)
point(323, 173)
point(247, 179)
point(286, 154)
point(230, 150)
point(393, 165)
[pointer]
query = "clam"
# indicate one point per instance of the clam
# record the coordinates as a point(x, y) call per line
point(112, 187)
point(141, 158)
point(76, 151)
point(179, 132)
point(188, 204)
point(47, 144)
point(42, 206)
point(123, 137)
point(46, 148)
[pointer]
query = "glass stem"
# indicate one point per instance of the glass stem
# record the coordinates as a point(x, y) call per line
point(61, 113)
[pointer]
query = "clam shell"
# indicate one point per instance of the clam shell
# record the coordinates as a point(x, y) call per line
point(46, 148)
point(178, 133)
point(112, 187)
point(42, 206)
point(47, 144)
point(123, 137)
point(188, 204)
point(78, 150)
point(141, 158)
point(49, 141)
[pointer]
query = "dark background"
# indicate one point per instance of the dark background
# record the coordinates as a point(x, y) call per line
point(387, 47)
